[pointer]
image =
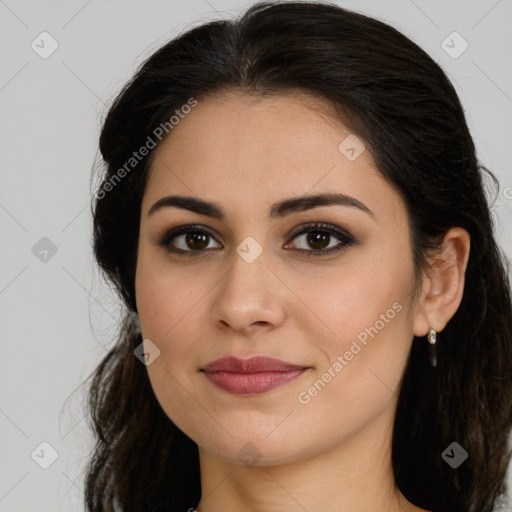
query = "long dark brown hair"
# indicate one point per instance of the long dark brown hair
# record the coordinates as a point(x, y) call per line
point(397, 100)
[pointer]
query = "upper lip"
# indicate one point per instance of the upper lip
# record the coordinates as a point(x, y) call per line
point(251, 365)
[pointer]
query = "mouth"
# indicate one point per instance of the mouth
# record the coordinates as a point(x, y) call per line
point(251, 376)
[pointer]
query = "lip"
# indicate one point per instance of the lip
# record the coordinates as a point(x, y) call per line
point(251, 376)
point(250, 365)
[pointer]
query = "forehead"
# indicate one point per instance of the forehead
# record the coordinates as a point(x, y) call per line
point(230, 125)
point(238, 148)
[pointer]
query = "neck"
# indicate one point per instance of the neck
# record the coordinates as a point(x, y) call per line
point(354, 475)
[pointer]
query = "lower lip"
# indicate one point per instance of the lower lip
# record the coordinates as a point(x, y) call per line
point(252, 383)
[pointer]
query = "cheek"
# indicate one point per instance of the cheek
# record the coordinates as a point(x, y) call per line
point(341, 304)
point(166, 297)
point(359, 375)
point(361, 323)
point(168, 305)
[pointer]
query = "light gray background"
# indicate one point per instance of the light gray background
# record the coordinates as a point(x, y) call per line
point(51, 111)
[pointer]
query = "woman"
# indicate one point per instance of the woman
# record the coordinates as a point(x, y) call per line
point(318, 315)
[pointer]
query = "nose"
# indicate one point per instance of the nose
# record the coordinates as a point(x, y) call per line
point(250, 295)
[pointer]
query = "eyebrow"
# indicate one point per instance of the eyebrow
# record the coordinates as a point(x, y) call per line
point(278, 210)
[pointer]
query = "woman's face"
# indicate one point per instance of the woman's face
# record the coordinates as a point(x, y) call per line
point(262, 280)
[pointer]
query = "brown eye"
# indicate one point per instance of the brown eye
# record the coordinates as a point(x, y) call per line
point(197, 240)
point(187, 240)
point(319, 239)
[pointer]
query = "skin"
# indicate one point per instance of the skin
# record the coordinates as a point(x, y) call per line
point(333, 453)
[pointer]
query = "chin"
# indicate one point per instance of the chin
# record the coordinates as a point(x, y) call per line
point(256, 449)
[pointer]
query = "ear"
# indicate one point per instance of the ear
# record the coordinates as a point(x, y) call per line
point(443, 283)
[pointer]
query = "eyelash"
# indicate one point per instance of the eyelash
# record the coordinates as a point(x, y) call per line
point(342, 235)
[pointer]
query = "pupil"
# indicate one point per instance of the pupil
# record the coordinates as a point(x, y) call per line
point(316, 238)
point(196, 237)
